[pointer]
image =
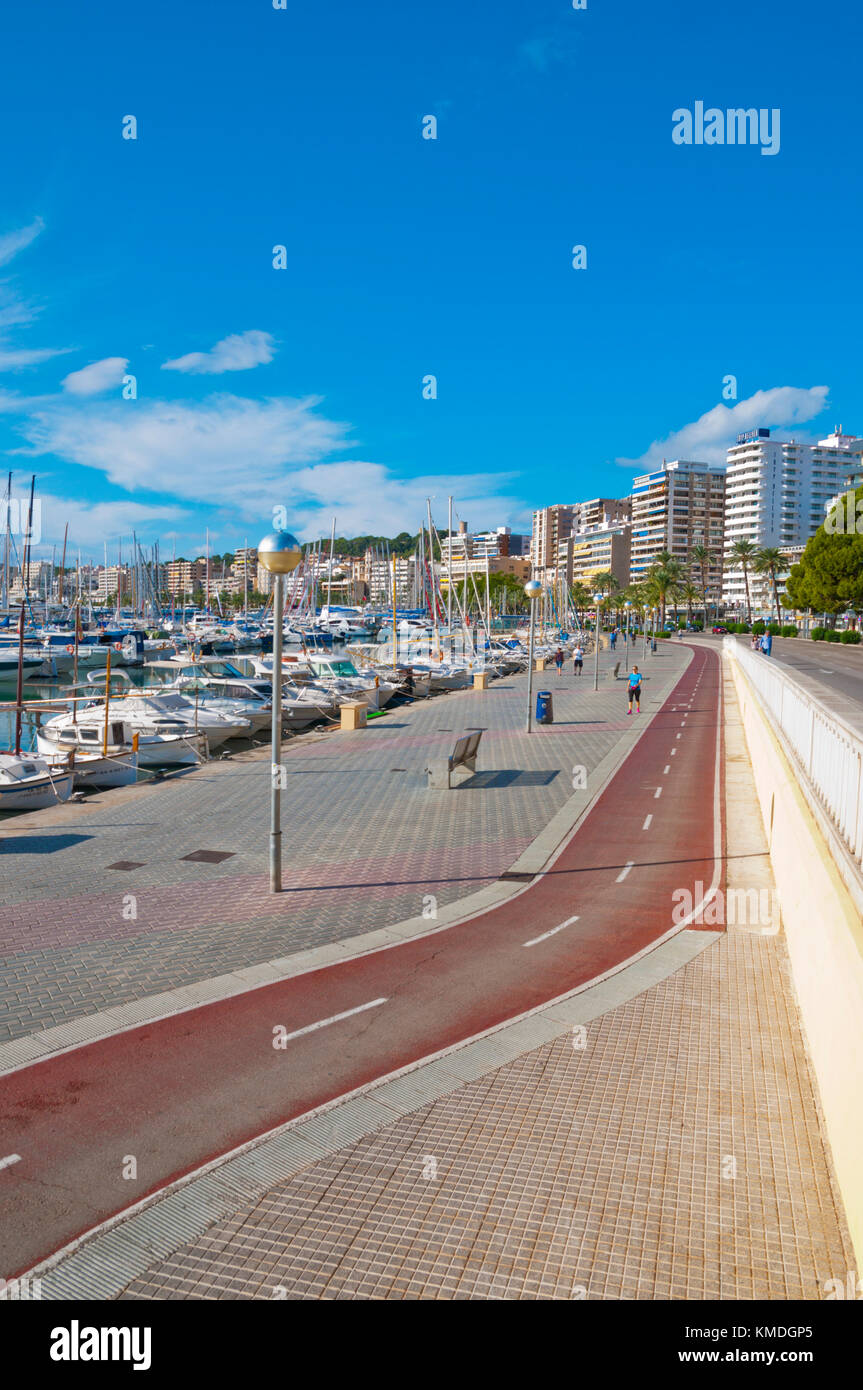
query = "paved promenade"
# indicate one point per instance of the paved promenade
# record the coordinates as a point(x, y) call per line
point(365, 844)
point(674, 1150)
point(620, 1111)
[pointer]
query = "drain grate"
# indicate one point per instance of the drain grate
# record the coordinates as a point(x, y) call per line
point(209, 856)
point(512, 876)
point(127, 864)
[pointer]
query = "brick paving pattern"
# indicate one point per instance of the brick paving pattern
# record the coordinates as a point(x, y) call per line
point(364, 840)
point(680, 1155)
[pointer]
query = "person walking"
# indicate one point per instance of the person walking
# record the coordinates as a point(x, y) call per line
point(634, 690)
point(613, 638)
point(578, 660)
point(558, 661)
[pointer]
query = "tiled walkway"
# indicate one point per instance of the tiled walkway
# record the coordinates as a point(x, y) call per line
point(364, 842)
point(677, 1155)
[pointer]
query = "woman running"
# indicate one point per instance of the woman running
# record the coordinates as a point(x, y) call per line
point(635, 690)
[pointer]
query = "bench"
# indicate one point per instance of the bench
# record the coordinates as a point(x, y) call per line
point(440, 770)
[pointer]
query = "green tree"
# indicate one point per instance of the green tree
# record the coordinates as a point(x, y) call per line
point(829, 577)
point(664, 580)
point(742, 555)
point(771, 561)
point(700, 557)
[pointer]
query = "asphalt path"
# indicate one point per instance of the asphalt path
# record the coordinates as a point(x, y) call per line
point(832, 664)
point(179, 1093)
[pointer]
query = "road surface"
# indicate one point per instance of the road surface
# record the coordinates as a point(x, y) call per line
point(176, 1094)
point(834, 665)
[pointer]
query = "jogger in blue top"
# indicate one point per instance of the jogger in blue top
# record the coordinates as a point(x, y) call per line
point(635, 690)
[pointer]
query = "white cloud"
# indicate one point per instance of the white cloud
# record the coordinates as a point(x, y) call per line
point(92, 524)
point(13, 242)
point(13, 358)
point(368, 499)
point(236, 353)
point(97, 377)
point(224, 450)
point(708, 437)
point(245, 457)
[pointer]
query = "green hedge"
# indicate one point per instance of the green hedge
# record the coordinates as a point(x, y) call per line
point(759, 629)
point(852, 638)
point(788, 630)
point(831, 635)
point(818, 633)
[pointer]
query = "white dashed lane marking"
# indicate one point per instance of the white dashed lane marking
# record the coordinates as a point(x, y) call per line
point(624, 871)
point(9, 1160)
point(647, 821)
point(336, 1018)
point(546, 934)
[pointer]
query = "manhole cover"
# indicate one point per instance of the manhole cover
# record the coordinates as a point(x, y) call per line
point(126, 864)
point(209, 856)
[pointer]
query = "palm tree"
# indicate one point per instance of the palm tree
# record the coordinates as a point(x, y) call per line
point(701, 556)
point(742, 555)
point(771, 561)
point(581, 598)
point(664, 580)
point(690, 595)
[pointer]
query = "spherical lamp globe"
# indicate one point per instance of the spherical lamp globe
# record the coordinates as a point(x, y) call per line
point(280, 552)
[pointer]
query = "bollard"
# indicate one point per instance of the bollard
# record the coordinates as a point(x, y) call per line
point(354, 715)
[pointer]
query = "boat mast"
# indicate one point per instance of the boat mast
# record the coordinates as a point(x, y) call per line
point(19, 691)
point(330, 571)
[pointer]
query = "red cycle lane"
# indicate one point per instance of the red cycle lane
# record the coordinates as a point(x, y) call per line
point(178, 1093)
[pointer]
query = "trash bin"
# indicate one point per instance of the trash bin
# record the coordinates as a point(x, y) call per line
point(544, 707)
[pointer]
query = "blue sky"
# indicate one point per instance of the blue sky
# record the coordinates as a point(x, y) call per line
point(407, 257)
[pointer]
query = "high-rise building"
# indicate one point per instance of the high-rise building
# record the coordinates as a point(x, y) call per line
point(779, 491)
point(552, 526)
point(678, 506)
point(598, 550)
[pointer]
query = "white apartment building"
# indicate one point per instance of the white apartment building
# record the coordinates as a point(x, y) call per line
point(779, 491)
point(680, 505)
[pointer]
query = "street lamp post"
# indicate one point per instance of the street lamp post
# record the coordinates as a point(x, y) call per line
point(279, 553)
point(597, 599)
point(533, 589)
point(628, 606)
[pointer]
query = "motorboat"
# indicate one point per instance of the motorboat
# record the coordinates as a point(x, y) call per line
point(28, 783)
point(85, 739)
point(32, 664)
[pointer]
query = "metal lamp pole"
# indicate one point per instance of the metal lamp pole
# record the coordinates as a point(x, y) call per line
point(597, 599)
point(279, 553)
point(533, 589)
point(276, 744)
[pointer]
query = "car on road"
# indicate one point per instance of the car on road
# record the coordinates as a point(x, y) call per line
point(719, 629)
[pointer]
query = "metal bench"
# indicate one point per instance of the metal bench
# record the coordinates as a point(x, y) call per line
point(440, 770)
